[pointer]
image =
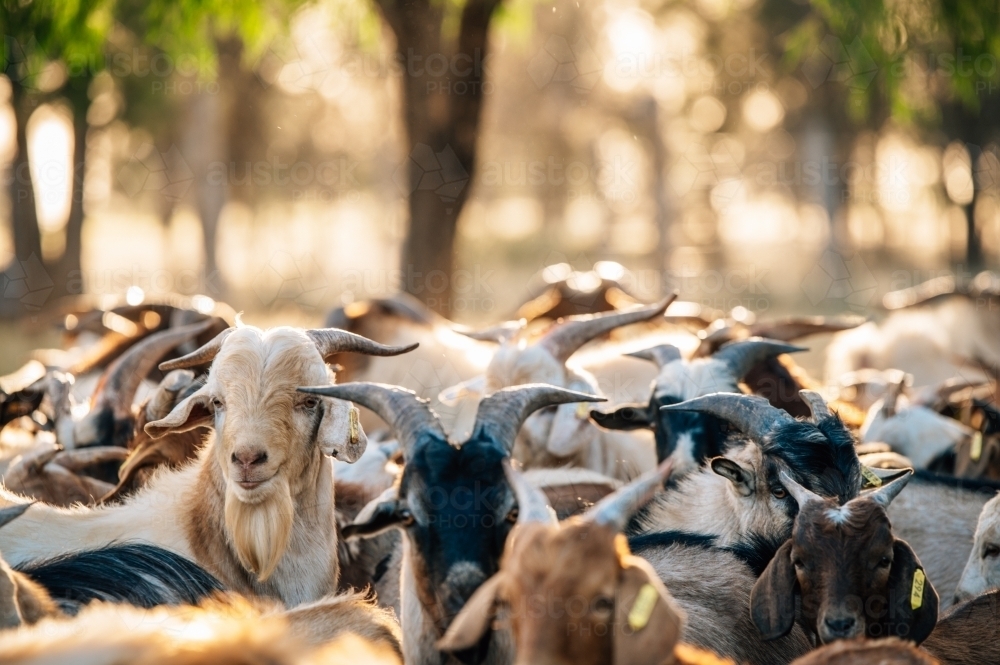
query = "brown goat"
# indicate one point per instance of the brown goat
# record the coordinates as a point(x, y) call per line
point(853, 577)
point(601, 604)
point(887, 651)
point(968, 633)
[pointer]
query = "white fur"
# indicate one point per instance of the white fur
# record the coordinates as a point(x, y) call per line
point(982, 573)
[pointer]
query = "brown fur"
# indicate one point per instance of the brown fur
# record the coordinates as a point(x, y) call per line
point(224, 631)
point(888, 651)
point(845, 565)
point(569, 500)
point(355, 613)
point(968, 633)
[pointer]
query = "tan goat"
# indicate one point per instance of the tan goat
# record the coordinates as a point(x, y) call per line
point(256, 508)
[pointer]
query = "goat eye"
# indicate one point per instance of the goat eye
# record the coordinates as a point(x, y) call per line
point(310, 403)
point(217, 404)
point(798, 563)
point(884, 562)
point(512, 515)
point(405, 517)
point(991, 551)
point(603, 606)
point(779, 492)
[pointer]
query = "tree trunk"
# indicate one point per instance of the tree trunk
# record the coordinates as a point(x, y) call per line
point(68, 270)
point(24, 276)
point(443, 99)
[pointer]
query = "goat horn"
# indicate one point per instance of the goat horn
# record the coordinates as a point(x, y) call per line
point(662, 355)
point(502, 413)
point(817, 405)
point(333, 340)
point(407, 415)
point(532, 506)
point(740, 357)
point(10, 513)
point(202, 356)
point(801, 495)
point(123, 377)
point(568, 335)
point(163, 398)
point(884, 495)
point(616, 509)
point(499, 334)
point(752, 415)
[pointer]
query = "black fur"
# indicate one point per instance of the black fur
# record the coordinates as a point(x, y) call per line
point(821, 456)
point(664, 539)
point(970, 484)
point(756, 552)
point(141, 575)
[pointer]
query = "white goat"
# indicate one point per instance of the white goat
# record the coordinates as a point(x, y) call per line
point(982, 570)
point(256, 508)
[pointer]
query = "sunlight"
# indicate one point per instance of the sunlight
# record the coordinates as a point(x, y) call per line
point(50, 149)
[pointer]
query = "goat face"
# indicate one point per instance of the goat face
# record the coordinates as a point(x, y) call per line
point(982, 571)
point(853, 577)
point(267, 434)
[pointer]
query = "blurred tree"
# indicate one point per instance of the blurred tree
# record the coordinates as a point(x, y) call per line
point(932, 66)
point(443, 51)
point(38, 36)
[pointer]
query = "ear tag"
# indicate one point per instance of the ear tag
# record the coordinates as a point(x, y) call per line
point(642, 609)
point(354, 426)
point(976, 451)
point(917, 592)
point(583, 410)
point(870, 476)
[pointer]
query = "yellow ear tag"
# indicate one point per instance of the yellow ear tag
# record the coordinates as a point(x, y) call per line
point(354, 426)
point(583, 410)
point(976, 451)
point(870, 476)
point(642, 609)
point(917, 592)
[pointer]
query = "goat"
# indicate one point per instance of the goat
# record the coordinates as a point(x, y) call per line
point(982, 570)
point(689, 438)
point(256, 507)
point(225, 630)
point(22, 600)
point(885, 651)
point(739, 497)
point(934, 331)
point(452, 501)
point(843, 574)
point(572, 592)
point(564, 436)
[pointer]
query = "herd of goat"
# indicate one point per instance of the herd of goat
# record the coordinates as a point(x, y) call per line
point(594, 482)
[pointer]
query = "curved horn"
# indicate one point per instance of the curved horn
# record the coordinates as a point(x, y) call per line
point(532, 506)
point(568, 335)
point(752, 415)
point(502, 413)
point(332, 340)
point(817, 405)
point(662, 355)
point(10, 513)
point(616, 509)
point(407, 414)
point(123, 377)
point(801, 495)
point(163, 399)
point(499, 333)
point(884, 495)
point(202, 356)
point(740, 357)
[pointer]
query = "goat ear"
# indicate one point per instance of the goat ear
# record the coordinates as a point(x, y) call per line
point(475, 618)
point(189, 413)
point(568, 431)
point(373, 520)
point(340, 434)
point(633, 416)
point(913, 602)
point(741, 479)
point(647, 622)
point(772, 599)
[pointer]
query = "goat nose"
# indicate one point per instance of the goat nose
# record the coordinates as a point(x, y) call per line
point(249, 458)
point(841, 625)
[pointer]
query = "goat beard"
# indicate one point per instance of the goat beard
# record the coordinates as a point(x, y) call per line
point(259, 532)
